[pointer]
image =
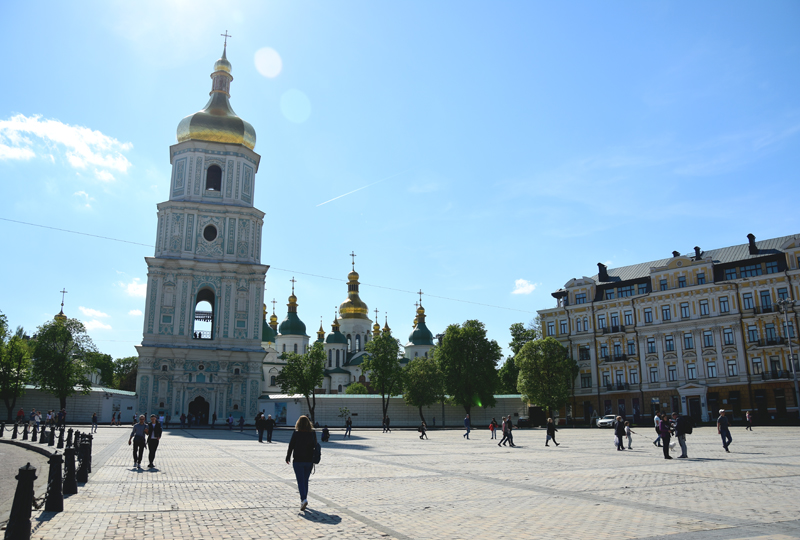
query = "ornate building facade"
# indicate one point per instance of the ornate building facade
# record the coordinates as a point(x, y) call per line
point(692, 333)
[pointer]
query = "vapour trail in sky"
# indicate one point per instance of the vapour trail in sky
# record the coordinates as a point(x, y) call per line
point(364, 187)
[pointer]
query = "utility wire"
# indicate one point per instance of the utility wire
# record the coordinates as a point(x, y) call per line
point(280, 269)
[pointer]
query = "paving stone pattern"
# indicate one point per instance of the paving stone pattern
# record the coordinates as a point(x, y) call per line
point(223, 484)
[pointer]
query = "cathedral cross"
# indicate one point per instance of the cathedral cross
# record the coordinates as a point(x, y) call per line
point(273, 305)
point(420, 297)
point(63, 292)
point(226, 36)
point(293, 282)
point(353, 256)
point(376, 314)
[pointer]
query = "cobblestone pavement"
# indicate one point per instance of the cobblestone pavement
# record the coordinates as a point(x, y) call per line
point(11, 459)
point(223, 484)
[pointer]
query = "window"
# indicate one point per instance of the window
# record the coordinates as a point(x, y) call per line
point(563, 329)
point(295, 348)
point(583, 353)
point(688, 341)
point(273, 381)
point(669, 343)
point(617, 349)
point(752, 333)
point(711, 370)
point(751, 270)
point(610, 294)
point(586, 323)
point(628, 317)
point(708, 339)
point(672, 373)
point(615, 319)
point(703, 307)
point(620, 376)
point(214, 178)
point(358, 343)
point(783, 293)
point(663, 285)
point(586, 380)
point(648, 315)
point(643, 287)
point(653, 374)
point(685, 310)
point(758, 367)
point(601, 321)
point(551, 329)
point(772, 267)
point(284, 347)
point(236, 371)
point(747, 301)
point(579, 324)
point(665, 315)
point(164, 368)
point(723, 305)
point(766, 299)
point(606, 378)
point(681, 282)
point(651, 345)
point(769, 332)
point(580, 298)
point(730, 273)
point(727, 336)
point(631, 347)
point(790, 331)
point(337, 357)
point(634, 376)
point(732, 369)
point(701, 278)
point(603, 351)
point(210, 233)
point(330, 358)
point(625, 291)
point(691, 371)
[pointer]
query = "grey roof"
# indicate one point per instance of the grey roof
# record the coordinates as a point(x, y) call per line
point(740, 252)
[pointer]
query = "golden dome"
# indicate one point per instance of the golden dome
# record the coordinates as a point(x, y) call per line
point(292, 299)
point(217, 122)
point(352, 276)
point(353, 307)
point(60, 317)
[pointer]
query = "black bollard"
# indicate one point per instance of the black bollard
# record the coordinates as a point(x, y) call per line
point(43, 435)
point(25, 433)
point(2, 428)
point(60, 438)
point(70, 483)
point(51, 441)
point(54, 499)
point(19, 522)
point(14, 433)
point(83, 473)
point(35, 432)
point(69, 438)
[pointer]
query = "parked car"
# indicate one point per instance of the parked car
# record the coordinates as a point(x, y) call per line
point(606, 421)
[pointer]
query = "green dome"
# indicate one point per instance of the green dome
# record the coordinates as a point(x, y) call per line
point(421, 335)
point(267, 333)
point(292, 326)
point(336, 337)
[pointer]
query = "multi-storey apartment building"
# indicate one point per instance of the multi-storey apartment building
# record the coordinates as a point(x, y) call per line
point(692, 333)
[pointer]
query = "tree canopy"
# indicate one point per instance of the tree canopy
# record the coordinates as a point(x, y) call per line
point(423, 383)
point(59, 351)
point(509, 372)
point(468, 361)
point(104, 364)
point(15, 365)
point(356, 388)
point(383, 368)
point(546, 373)
point(303, 373)
point(125, 372)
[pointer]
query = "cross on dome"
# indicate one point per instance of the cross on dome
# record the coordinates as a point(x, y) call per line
point(353, 256)
point(293, 282)
point(226, 36)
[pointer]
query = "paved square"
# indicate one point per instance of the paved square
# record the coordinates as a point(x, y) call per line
point(222, 484)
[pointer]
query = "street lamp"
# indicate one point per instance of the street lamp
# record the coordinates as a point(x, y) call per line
point(784, 304)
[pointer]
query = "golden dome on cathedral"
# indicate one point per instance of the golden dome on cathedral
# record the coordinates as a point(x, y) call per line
point(353, 307)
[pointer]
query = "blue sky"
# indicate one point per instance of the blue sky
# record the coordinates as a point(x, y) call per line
point(518, 144)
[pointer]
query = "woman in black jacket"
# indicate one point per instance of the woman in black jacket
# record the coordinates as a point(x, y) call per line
point(303, 441)
point(619, 433)
point(551, 432)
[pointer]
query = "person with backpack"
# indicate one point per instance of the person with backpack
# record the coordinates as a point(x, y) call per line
point(683, 427)
point(303, 447)
point(551, 432)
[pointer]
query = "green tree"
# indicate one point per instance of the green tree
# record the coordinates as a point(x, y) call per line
point(468, 361)
point(104, 364)
point(384, 369)
point(423, 383)
point(15, 365)
point(125, 372)
point(507, 377)
point(356, 388)
point(546, 373)
point(509, 372)
point(303, 374)
point(59, 358)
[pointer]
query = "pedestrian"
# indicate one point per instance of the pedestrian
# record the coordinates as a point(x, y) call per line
point(466, 427)
point(302, 445)
point(166, 421)
point(189, 418)
point(348, 426)
point(270, 425)
point(183, 420)
point(665, 432)
point(723, 431)
point(749, 419)
point(139, 436)
point(388, 425)
point(628, 432)
point(326, 434)
point(213, 420)
point(229, 421)
point(94, 422)
point(682, 427)
point(423, 431)
point(509, 429)
point(657, 422)
point(505, 434)
point(62, 418)
point(20, 415)
point(619, 433)
point(113, 416)
point(134, 420)
point(153, 438)
point(551, 432)
point(261, 425)
point(493, 428)
point(241, 424)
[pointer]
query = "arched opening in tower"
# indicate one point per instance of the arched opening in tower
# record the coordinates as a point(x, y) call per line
point(204, 315)
point(214, 178)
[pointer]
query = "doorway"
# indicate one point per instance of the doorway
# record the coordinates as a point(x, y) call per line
point(199, 409)
point(694, 409)
point(780, 403)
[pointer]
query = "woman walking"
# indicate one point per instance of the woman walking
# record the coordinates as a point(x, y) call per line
point(493, 428)
point(551, 432)
point(619, 433)
point(749, 421)
point(302, 444)
point(423, 430)
point(665, 432)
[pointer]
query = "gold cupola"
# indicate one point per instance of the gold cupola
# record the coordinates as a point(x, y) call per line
point(353, 307)
point(386, 329)
point(217, 122)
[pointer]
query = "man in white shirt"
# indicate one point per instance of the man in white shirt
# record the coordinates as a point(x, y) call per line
point(657, 421)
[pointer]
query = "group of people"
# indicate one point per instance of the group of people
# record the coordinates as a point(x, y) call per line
point(145, 434)
point(264, 424)
point(53, 418)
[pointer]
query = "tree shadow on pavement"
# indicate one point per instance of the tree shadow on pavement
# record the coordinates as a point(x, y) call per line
point(320, 517)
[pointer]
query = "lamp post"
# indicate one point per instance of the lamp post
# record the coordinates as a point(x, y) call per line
point(784, 304)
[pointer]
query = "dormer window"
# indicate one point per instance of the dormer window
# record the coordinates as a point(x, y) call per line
point(214, 178)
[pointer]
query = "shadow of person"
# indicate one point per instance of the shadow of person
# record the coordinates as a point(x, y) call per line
point(316, 516)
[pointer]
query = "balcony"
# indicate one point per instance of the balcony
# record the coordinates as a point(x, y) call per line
point(765, 309)
point(771, 341)
point(203, 334)
point(613, 329)
point(618, 387)
point(584, 357)
point(775, 374)
point(619, 358)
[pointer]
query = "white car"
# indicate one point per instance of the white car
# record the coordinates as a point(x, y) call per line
point(606, 421)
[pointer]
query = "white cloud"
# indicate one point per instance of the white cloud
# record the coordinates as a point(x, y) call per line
point(89, 312)
point(135, 288)
point(135, 312)
point(523, 286)
point(94, 324)
point(24, 137)
point(86, 198)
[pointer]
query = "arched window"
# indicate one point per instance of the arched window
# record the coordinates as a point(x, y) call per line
point(358, 343)
point(284, 347)
point(305, 348)
point(337, 357)
point(235, 407)
point(416, 354)
point(330, 357)
point(164, 368)
point(214, 178)
point(340, 388)
point(190, 377)
point(349, 343)
point(295, 348)
point(273, 381)
point(236, 371)
point(161, 404)
point(204, 309)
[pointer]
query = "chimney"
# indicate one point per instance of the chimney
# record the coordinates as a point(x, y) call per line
point(676, 254)
point(602, 272)
point(696, 253)
point(751, 238)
